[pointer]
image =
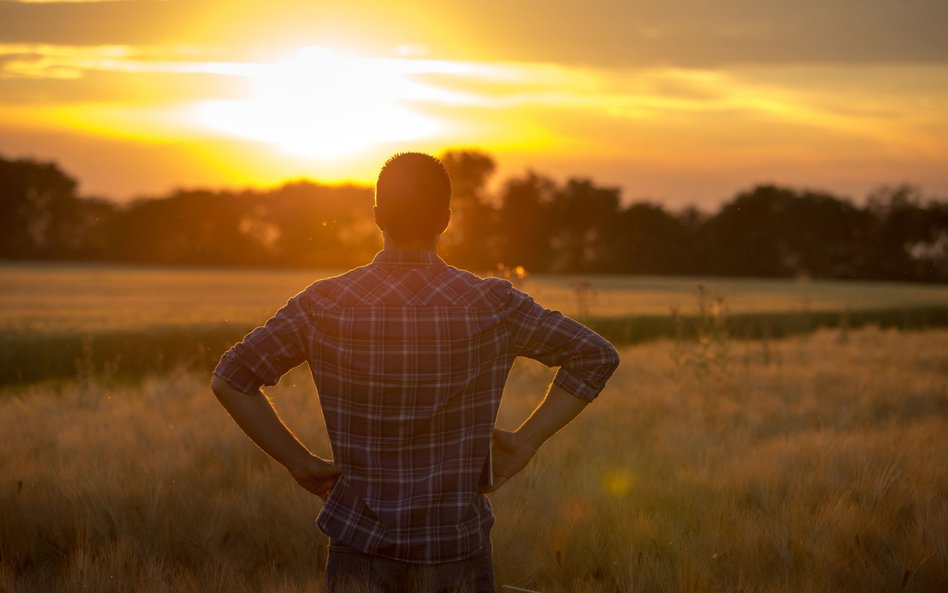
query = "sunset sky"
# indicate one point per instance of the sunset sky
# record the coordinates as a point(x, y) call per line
point(675, 101)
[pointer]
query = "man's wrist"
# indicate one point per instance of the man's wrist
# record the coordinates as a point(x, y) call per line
point(298, 461)
point(529, 438)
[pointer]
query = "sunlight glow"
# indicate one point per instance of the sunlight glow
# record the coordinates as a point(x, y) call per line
point(334, 115)
point(320, 103)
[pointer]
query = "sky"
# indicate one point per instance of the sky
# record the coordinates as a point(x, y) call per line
point(677, 102)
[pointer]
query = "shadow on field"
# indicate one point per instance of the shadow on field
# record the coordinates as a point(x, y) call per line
point(118, 354)
point(133, 354)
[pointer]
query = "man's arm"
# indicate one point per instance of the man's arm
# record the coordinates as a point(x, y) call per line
point(585, 360)
point(257, 417)
point(513, 450)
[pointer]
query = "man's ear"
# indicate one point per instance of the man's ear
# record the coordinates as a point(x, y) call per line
point(445, 220)
point(379, 218)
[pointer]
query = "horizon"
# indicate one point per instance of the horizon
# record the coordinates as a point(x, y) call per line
point(680, 104)
point(493, 188)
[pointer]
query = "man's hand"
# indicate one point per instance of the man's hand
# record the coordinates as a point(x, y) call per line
point(512, 452)
point(257, 417)
point(316, 475)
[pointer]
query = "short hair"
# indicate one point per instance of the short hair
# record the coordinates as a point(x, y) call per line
point(413, 192)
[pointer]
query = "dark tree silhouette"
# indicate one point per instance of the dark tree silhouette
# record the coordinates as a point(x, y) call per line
point(577, 227)
point(580, 214)
point(470, 238)
point(646, 239)
point(321, 226)
point(524, 220)
point(192, 226)
point(777, 231)
point(908, 238)
point(38, 209)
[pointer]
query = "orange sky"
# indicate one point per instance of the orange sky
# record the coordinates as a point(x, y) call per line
point(679, 101)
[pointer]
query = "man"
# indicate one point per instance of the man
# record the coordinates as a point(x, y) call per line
point(409, 356)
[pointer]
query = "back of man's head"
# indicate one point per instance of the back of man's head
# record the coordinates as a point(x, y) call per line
point(413, 197)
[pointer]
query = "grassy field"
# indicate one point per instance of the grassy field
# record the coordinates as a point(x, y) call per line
point(58, 321)
point(96, 298)
point(817, 463)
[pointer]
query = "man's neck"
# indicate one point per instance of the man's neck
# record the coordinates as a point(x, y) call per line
point(422, 245)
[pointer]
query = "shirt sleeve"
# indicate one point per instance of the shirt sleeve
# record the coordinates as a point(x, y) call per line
point(268, 352)
point(585, 359)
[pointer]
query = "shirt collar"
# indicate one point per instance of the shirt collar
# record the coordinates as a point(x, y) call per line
point(407, 257)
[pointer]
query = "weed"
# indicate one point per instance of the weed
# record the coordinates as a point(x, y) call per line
point(702, 344)
point(585, 295)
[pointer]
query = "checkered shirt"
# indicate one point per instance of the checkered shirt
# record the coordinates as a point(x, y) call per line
point(410, 357)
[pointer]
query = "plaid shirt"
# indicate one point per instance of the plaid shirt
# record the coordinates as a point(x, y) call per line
point(410, 357)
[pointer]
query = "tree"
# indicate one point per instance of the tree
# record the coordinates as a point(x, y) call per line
point(471, 236)
point(581, 213)
point(189, 227)
point(523, 222)
point(646, 239)
point(86, 236)
point(580, 227)
point(322, 226)
point(778, 231)
point(908, 238)
point(744, 237)
point(37, 208)
point(825, 236)
point(931, 254)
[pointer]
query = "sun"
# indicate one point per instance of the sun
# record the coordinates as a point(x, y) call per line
point(323, 104)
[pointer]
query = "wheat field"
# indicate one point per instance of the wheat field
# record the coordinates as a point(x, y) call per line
point(813, 464)
point(51, 298)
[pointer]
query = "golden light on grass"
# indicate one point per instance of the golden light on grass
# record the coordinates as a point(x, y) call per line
point(808, 475)
point(104, 298)
point(618, 482)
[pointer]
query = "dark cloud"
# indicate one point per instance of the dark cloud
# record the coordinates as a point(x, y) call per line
point(693, 33)
point(725, 32)
point(90, 23)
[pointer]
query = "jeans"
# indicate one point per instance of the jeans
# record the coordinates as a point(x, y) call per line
point(348, 570)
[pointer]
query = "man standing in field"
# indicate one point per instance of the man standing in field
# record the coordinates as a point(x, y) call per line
point(410, 357)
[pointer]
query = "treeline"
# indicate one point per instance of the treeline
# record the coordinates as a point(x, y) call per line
point(531, 220)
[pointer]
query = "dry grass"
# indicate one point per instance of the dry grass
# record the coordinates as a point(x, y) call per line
point(813, 464)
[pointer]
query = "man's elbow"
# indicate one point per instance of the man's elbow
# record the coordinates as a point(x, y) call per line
point(613, 359)
point(221, 388)
point(610, 360)
point(603, 352)
point(225, 390)
point(217, 385)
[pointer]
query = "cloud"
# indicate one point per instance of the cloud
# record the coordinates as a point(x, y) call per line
point(487, 101)
point(118, 88)
point(76, 1)
point(615, 33)
point(721, 33)
point(90, 23)
point(632, 85)
point(116, 75)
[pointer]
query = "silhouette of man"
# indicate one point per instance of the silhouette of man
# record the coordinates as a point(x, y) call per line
point(410, 356)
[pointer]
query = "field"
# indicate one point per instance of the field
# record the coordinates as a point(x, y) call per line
point(812, 464)
point(60, 321)
point(818, 462)
point(96, 298)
